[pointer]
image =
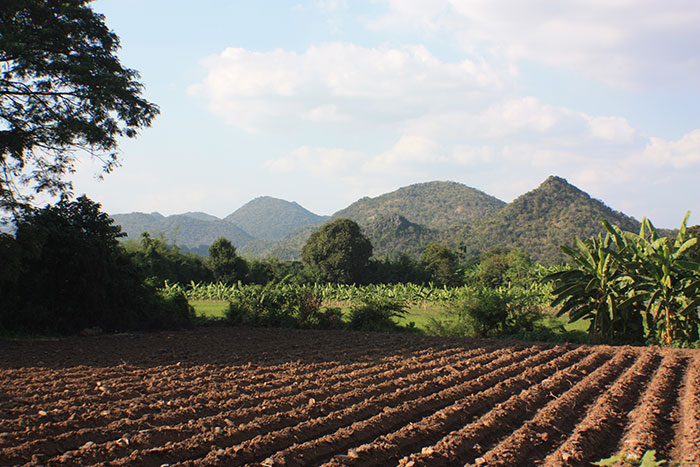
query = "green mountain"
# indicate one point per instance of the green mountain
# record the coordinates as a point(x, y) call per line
point(395, 234)
point(193, 232)
point(270, 218)
point(404, 220)
point(541, 220)
point(435, 205)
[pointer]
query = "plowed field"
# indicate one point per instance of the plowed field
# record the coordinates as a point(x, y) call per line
point(278, 397)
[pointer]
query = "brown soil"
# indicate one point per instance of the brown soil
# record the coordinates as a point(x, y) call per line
point(227, 396)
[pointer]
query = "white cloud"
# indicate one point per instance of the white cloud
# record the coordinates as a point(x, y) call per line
point(626, 43)
point(681, 154)
point(337, 83)
point(408, 152)
point(319, 161)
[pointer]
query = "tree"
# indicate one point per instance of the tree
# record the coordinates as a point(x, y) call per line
point(441, 264)
point(339, 252)
point(224, 263)
point(62, 89)
point(159, 261)
point(74, 274)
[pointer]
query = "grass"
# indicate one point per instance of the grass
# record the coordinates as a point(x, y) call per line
point(419, 315)
point(213, 309)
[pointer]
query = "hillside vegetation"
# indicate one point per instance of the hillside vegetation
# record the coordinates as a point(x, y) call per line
point(193, 231)
point(541, 220)
point(435, 205)
point(270, 218)
point(403, 221)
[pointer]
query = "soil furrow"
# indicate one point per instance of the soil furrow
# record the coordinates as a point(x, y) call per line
point(602, 425)
point(245, 420)
point(263, 437)
point(390, 448)
point(63, 436)
point(442, 389)
point(687, 445)
point(393, 418)
point(471, 441)
point(651, 422)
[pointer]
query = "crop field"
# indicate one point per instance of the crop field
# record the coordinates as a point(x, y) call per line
point(237, 396)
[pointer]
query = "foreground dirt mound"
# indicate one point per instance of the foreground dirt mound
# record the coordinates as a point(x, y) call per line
point(280, 397)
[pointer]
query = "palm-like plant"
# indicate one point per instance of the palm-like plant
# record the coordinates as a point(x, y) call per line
point(596, 290)
point(666, 280)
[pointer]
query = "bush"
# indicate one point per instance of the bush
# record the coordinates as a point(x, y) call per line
point(488, 312)
point(280, 305)
point(73, 274)
point(377, 314)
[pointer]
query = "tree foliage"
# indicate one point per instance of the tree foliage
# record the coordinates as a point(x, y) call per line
point(633, 286)
point(339, 251)
point(62, 89)
point(72, 273)
point(225, 264)
point(160, 261)
point(441, 264)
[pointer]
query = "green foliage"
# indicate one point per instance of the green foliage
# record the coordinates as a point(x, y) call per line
point(541, 220)
point(441, 264)
point(376, 314)
point(73, 274)
point(501, 267)
point(193, 232)
point(397, 269)
point(276, 305)
point(338, 251)
point(633, 286)
point(394, 234)
point(225, 264)
point(162, 262)
point(62, 89)
point(488, 312)
point(647, 460)
point(435, 205)
point(596, 291)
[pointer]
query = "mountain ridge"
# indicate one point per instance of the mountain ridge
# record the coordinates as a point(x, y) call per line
point(407, 219)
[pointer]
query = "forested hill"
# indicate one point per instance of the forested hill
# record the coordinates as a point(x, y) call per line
point(191, 230)
point(270, 218)
point(541, 220)
point(435, 205)
point(403, 221)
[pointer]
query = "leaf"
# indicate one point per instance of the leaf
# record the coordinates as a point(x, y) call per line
point(610, 461)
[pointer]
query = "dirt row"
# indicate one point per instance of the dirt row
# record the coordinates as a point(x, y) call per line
point(225, 396)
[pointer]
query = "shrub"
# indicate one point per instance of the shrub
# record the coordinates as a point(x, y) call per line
point(376, 314)
point(73, 274)
point(488, 312)
point(280, 305)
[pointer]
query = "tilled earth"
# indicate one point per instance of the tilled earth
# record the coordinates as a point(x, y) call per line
point(237, 396)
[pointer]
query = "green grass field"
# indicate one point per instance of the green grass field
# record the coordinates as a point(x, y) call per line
point(420, 316)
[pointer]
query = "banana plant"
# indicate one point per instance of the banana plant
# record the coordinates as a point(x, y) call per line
point(597, 290)
point(666, 280)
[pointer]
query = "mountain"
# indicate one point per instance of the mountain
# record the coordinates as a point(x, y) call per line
point(192, 230)
point(541, 220)
point(395, 234)
point(270, 218)
point(404, 220)
point(435, 205)
point(202, 216)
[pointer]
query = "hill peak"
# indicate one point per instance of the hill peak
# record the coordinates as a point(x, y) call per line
point(271, 218)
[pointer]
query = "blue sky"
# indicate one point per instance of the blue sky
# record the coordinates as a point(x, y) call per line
point(323, 102)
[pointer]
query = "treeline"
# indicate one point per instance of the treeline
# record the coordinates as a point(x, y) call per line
point(65, 270)
point(337, 253)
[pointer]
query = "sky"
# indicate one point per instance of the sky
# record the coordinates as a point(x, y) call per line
point(323, 102)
